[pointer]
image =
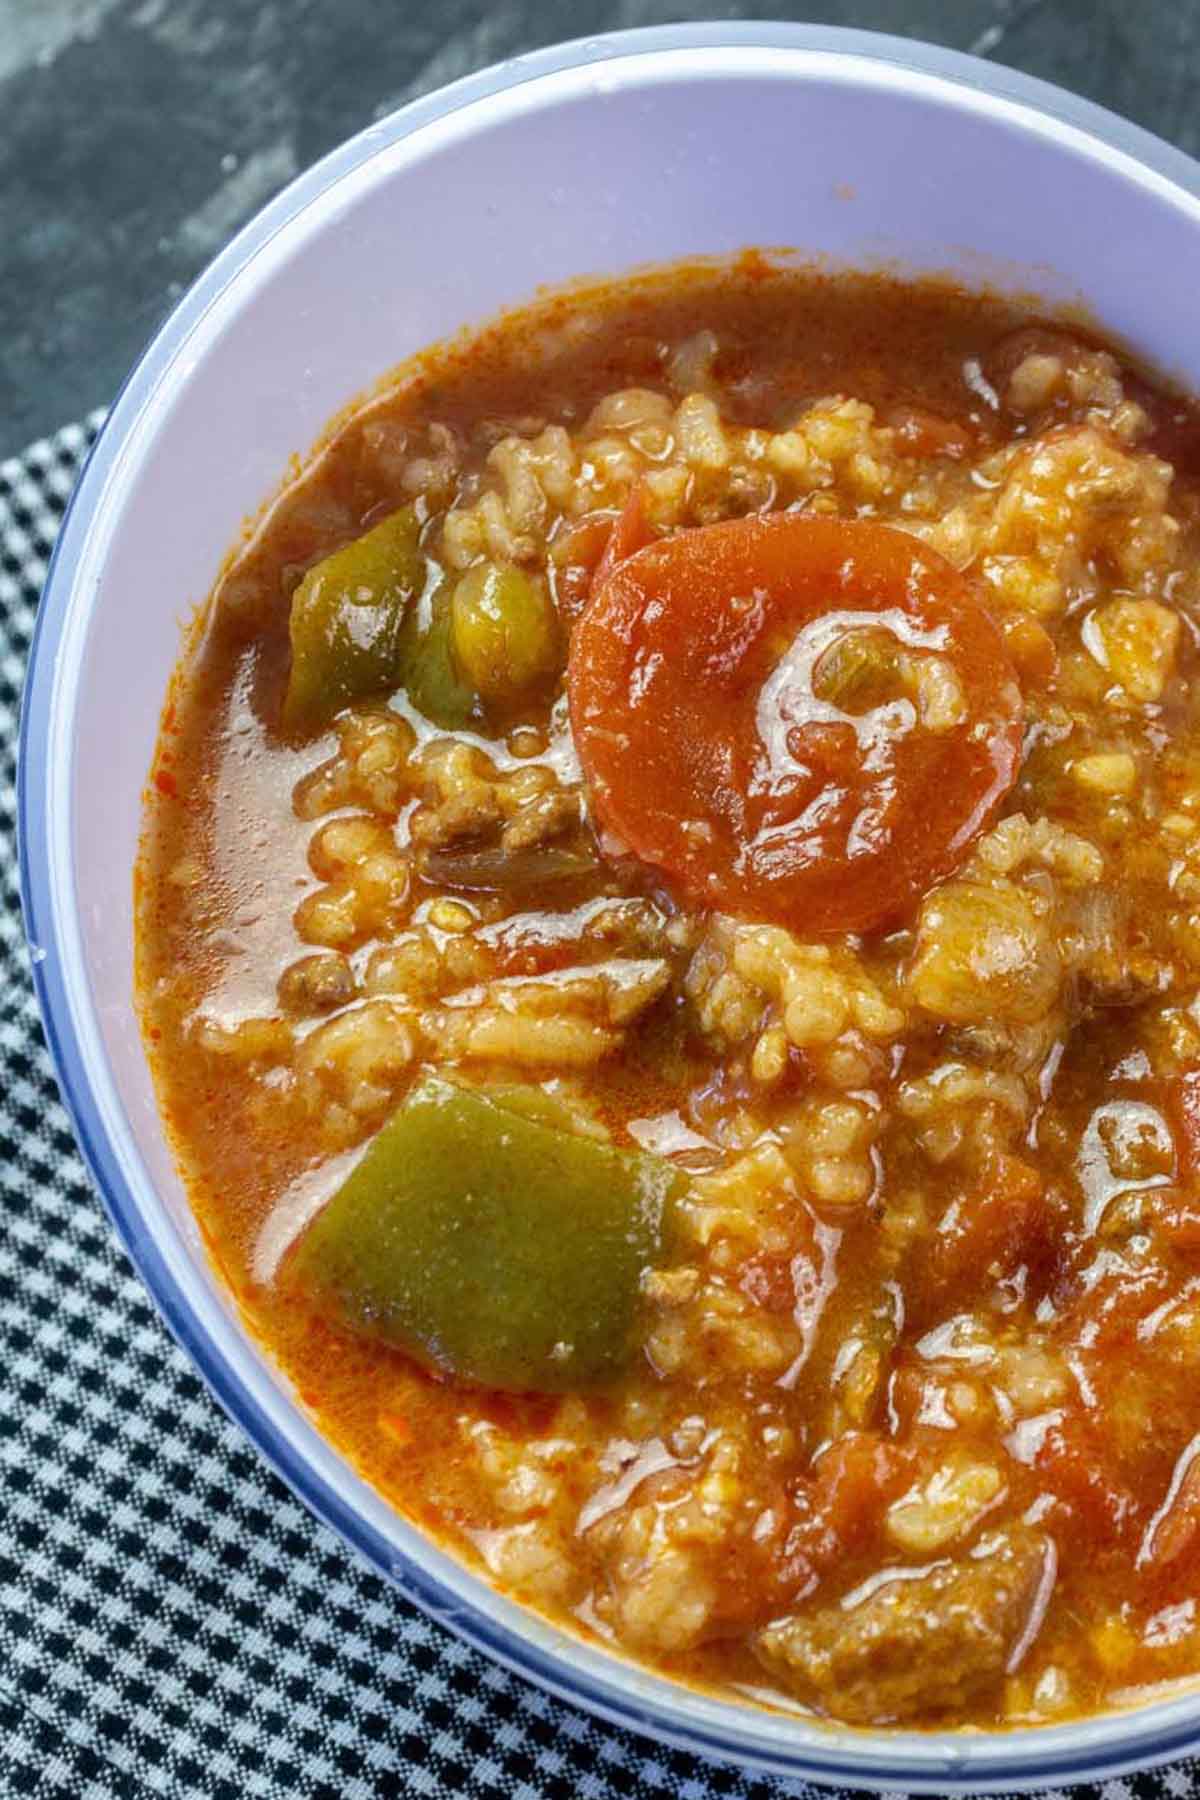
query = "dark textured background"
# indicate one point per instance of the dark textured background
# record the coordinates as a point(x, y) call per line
point(137, 135)
point(170, 1621)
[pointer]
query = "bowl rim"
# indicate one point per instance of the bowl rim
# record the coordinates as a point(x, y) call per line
point(781, 1743)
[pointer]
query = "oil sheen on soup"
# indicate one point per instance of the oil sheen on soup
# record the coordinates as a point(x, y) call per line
point(669, 942)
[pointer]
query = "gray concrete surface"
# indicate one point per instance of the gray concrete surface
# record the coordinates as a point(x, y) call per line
point(137, 135)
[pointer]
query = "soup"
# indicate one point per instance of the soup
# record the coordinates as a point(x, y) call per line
point(669, 943)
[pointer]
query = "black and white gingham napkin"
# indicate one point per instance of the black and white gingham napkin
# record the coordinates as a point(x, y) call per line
point(171, 1620)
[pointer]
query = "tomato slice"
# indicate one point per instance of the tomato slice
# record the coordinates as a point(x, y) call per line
point(803, 720)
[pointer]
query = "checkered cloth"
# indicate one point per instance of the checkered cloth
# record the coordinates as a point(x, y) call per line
point(171, 1620)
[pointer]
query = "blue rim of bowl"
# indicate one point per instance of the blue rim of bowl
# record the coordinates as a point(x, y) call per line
point(1089, 1749)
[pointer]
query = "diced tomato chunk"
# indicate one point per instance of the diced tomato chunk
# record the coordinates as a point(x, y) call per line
point(629, 534)
point(577, 556)
point(1032, 650)
point(990, 1232)
point(1184, 1107)
point(855, 1479)
point(837, 1510)
point(924, 433)
point(853, 1482)
point(1072, 1462)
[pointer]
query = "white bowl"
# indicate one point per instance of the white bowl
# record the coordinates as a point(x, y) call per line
point(588, 158)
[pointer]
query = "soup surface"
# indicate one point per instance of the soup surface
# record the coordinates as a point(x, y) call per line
point(669, 941)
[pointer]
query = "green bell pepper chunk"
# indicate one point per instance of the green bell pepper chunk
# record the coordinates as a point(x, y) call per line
point(431, 672)
point(506, 635)
point(347, 622)
point(484, 1240)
